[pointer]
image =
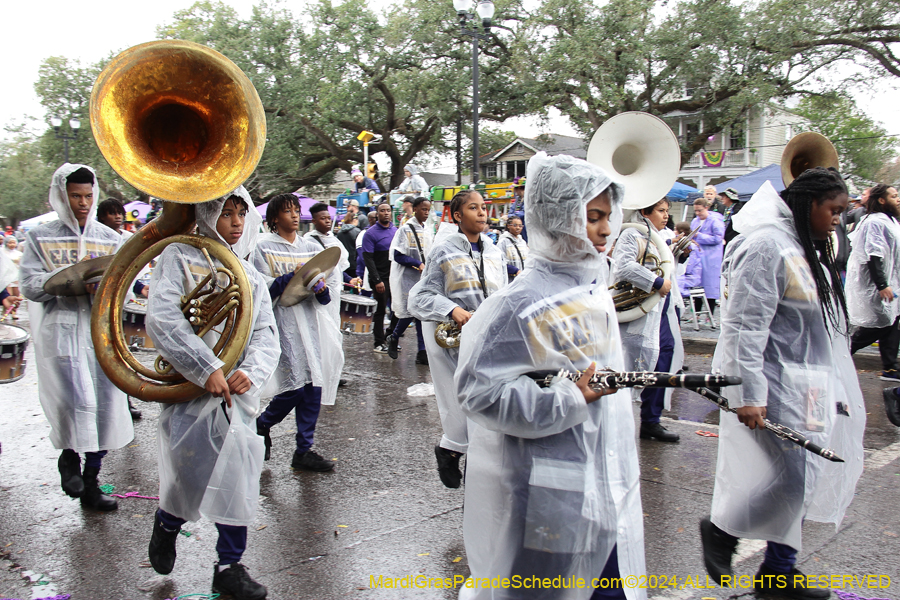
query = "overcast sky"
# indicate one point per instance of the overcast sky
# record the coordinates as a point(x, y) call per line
point(89, 30)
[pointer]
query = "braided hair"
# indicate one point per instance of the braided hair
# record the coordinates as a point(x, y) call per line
point(456, 203)
point(879, 192)
point(815, 186)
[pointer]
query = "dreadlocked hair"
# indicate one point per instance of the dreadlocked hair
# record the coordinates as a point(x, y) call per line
point(278, 204)
point(879, 192)
point(813, 187)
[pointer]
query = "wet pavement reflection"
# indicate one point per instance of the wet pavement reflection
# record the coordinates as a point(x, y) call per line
point(382, 511)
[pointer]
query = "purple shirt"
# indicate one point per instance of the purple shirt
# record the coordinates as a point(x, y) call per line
point(376, 248)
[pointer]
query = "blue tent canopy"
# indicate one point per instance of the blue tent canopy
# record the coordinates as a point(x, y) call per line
point(747, 185)
point(680, 191)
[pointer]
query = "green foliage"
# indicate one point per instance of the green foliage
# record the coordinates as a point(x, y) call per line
point(861, 143)
point(24, 177)
point(64, 89)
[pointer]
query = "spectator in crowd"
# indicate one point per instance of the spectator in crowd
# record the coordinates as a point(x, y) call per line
point(690, 271)
point(376, 248)
point(711, 238)
point(732, 206)
point(712, 199)
point(347, 235)
point(362, 183)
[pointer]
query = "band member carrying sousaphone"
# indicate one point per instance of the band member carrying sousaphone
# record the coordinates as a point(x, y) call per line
point(87, 413)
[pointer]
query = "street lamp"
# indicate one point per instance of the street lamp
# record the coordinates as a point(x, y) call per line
point(74, 125)
point(469, 10)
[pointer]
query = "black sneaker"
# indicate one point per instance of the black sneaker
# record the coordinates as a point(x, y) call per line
point(421, 357)
point(891, 375)
point(135, 413)
point(162, 548)
point(783, 585)
point(237, 583)
point(310, 461)
point(892, 405)
point(655, 431)
point(718, 548)
point(70, 473)
point(448, 467)
point(267, 439)
point(393, 342)
point(381, 349)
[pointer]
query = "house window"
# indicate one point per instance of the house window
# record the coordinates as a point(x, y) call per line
point(737, 139)
point(691, 131)
point(489, 171)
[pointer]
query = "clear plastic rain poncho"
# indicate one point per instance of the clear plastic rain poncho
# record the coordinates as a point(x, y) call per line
point(774, 337)
point(210, 456)
point(9, 272)
point(552, 483)
point(310, 335)
point(640, 338)
point(451, 279)
point(335, 279)
point(413, 183)
point(87, 413)
point(407, 241)
point(514, 249)
point(876, 235)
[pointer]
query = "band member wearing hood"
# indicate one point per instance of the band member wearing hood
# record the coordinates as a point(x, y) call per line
point(552, 481)
point(210, 457)
point(784, 332)
point(87, 413)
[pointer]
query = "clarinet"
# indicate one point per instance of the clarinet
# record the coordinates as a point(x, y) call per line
point(782, 431)
point(607, 380)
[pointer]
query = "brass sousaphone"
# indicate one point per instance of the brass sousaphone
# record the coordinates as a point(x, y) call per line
point(807, 151)
point(182, 123)
point(639, 151)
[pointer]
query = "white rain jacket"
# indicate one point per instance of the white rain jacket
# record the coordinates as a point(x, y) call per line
point(876, 235)
point(774, 337)
point(640, 338)
point(514, 249)
point(403, 278)
point(451, 279)
point(310, 336)
point(9, 272)
point(413, 183)
point(210, 457)
point(552, 483)
point(87, 413)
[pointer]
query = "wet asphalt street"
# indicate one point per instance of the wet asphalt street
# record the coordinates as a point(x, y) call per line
point(383, 510)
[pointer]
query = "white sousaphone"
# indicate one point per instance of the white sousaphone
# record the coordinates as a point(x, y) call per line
point(640, 152)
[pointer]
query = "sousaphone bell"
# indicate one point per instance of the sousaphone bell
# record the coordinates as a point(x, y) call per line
point(182, 123)
point(640, 152)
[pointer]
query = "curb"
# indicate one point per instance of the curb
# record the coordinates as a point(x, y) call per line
point(865, 360)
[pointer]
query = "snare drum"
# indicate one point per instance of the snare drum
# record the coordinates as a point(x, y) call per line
point(14, 341)
point(133, 326)
point(356, 314)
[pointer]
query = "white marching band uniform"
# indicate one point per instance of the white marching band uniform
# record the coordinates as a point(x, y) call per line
point(514, 249)
point(876, 235)
point(640, 338)
point(451, 279)
point(210, 457)
point(552, 483)
point(403, 278)
point(87, 413)
point(310, 336)
point(774, 337)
